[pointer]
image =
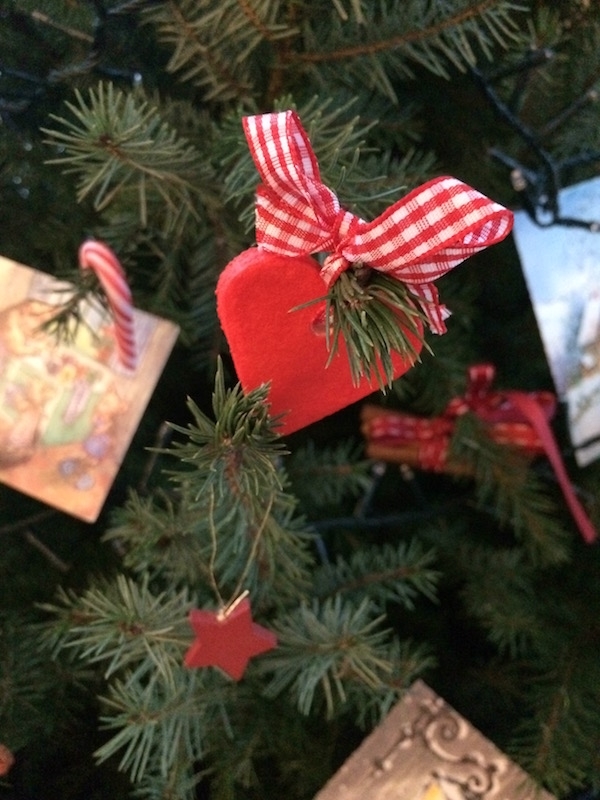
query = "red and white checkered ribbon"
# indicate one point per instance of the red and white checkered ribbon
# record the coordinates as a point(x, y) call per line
point(517, 419)
point(507, 425)
point(104, 263)
point(416, 241)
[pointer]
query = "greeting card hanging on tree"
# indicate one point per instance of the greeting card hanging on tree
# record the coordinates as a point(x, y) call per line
point(328, 308)
point(561, 265)
point(557, 235)
point(425, 750)
point(69, 406)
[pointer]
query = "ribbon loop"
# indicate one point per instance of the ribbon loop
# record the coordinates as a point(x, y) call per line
point(493, 406)
point(417, 240)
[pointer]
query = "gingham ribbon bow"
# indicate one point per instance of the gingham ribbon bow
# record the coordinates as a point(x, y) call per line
point(501, 409)
point(509, 426)
point(417, 240)
point(518, 419)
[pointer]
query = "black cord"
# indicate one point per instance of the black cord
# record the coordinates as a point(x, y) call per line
point(538, 186)
point(15, 101)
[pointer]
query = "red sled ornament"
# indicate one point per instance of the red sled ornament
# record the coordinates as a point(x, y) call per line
point(262, 294)
point(513, 418)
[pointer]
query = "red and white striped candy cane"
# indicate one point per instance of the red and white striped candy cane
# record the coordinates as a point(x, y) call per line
point(98, 257)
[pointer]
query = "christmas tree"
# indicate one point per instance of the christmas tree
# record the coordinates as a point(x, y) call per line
point(123, 121)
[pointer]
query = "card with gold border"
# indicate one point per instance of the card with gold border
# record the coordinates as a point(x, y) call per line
point(425, 750)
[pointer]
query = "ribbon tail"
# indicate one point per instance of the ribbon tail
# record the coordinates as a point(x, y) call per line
point(428, 297)
point(533, 412)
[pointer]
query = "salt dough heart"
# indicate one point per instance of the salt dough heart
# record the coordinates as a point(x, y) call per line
point(271, 343)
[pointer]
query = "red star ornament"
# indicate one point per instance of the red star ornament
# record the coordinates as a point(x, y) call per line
point(227, 640)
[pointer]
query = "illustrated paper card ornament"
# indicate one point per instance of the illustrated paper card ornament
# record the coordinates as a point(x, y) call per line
point(562, 270)
point(267, 296)
point(425, 750)
point(69, 407)
point(227, 638)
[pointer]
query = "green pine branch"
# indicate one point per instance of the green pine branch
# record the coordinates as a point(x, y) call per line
point(396, 574)
point(375, 317)
point(180, 782)
point(558, 740)
point(36, 697)
point(230, 510)
point(217, 46)
point(176, 276)
point(410, 660)
point(509, 490)
point(335, 657)
point(321, 646)
point(446, 27)
point(121, 150)
point(154, 720)
point(159, 534)
point(397, 37)
point(123, 625)
point(327, 476)
point(500, 592)
point(157, 711)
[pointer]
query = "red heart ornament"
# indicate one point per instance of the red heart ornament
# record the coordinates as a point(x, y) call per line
point(271, 343)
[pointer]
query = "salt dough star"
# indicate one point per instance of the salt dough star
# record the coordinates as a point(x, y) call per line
point(227, 640)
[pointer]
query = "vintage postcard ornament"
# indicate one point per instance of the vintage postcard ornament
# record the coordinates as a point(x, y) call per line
point(69, 408)
point(562, 270)
point(425, 750)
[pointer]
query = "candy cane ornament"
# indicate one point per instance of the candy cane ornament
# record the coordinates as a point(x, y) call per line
point(98, 257)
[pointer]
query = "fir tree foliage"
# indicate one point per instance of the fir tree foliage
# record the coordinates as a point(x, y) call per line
point(213, 43)
point(324, 477)
point(125, 123)
point(32, 688)
point(130, 152)
point(332, 655)
point(510, 489)
point(385, 574)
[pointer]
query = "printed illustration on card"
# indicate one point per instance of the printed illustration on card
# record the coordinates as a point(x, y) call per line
point(562, 269)
point(68, 407)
